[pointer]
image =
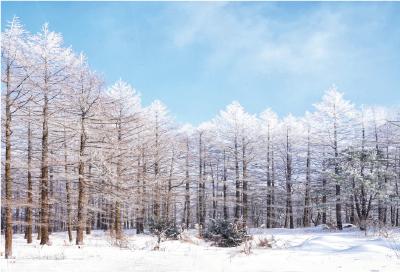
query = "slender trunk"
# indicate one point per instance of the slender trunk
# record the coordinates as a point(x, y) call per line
point(200, 191)
point(306, 219)
point(88, 214)
point(51, 201)
point(45, 171)
point(112, 221)
point(268, 183)
point(69, 227)
point(352, 218)
point(338, 201)
point(397, 193)
point(213, 192)
point(169, 191)
point(237, 205)
point(30, 192)
point(8, 232)
point(39, 236)
point(156, 202)
point(273, 223)
point(187, 196)
point(289, 208)
point(118, 220)
point(225, 190)
point(88, 217)
point(204, 210)
point(380, 206)
point(244, 172)
point(105, 215)
point(144, 193)
point(139, 196)
point(386, 180)
point(81, 186)
point(68, 208)
point(119, 173)
point(323, 187)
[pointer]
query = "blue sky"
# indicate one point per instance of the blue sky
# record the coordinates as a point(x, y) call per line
point(197, 57)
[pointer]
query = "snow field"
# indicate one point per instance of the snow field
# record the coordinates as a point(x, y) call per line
point(311, 249)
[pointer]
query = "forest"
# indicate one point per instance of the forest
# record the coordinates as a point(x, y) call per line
point(81, 155)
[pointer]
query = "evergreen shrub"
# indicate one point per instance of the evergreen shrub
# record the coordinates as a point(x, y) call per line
point(161, 226)
point(225, 233)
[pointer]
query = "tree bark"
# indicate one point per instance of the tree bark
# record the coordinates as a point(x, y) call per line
point(306, 218)
point(118, 220)
point(81, 186)
point(237, 205)
point(338, 201)
point(244, 174)
point(30, 192)
point(45, 169)
point(225, 190)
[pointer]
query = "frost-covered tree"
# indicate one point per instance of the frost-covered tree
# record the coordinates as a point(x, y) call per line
point(54, 66)
point(79, 155)
point(126, 116)
point(16, 68)
point(290, 136)
point(159, 124)
point(336, 120)
point(239, 130)
point(269, 122)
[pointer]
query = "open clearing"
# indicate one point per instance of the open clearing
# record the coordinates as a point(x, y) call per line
point(311, 249)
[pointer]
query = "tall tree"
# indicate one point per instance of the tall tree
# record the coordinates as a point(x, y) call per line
point(15, 72)
point(269, 121)
point(336, 118)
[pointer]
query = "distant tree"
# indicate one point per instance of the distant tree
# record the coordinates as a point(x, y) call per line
point(336, 120)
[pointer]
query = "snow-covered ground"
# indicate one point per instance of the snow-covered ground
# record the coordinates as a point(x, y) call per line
point(311, 249)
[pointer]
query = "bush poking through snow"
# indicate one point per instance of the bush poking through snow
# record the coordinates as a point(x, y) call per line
point(123, 242)
point(185, 237)
point(329, 226)
point(391, 238)
point(265, 242)
point(164, 229)
point(199, 231)
point(160, 225)
point(224, 233)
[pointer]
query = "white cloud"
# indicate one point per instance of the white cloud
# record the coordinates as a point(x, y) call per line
point(243, 38)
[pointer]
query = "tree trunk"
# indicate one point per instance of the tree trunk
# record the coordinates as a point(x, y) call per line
point(45, 171)
point(237, 205)
point(51, 202)
point(81, 186)
point(289, 209)
point(187, 195)
point(268, 184)
point(323, 187)
point(306, 219)
point(244, 173)
point(273, 223)
point(118, 220)
point(338, 201)
point(30, 192)
point(225, 190)
point(8, 232)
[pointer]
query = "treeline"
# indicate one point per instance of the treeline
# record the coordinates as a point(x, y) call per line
point(77, 155)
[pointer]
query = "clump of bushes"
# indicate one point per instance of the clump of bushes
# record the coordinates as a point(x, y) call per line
point(225, 233)
point(163, 227)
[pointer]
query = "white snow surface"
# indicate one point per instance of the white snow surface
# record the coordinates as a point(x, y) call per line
point(305, 249)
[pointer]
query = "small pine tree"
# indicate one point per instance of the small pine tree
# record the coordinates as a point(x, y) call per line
point(161, 226)
point(225, 233)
